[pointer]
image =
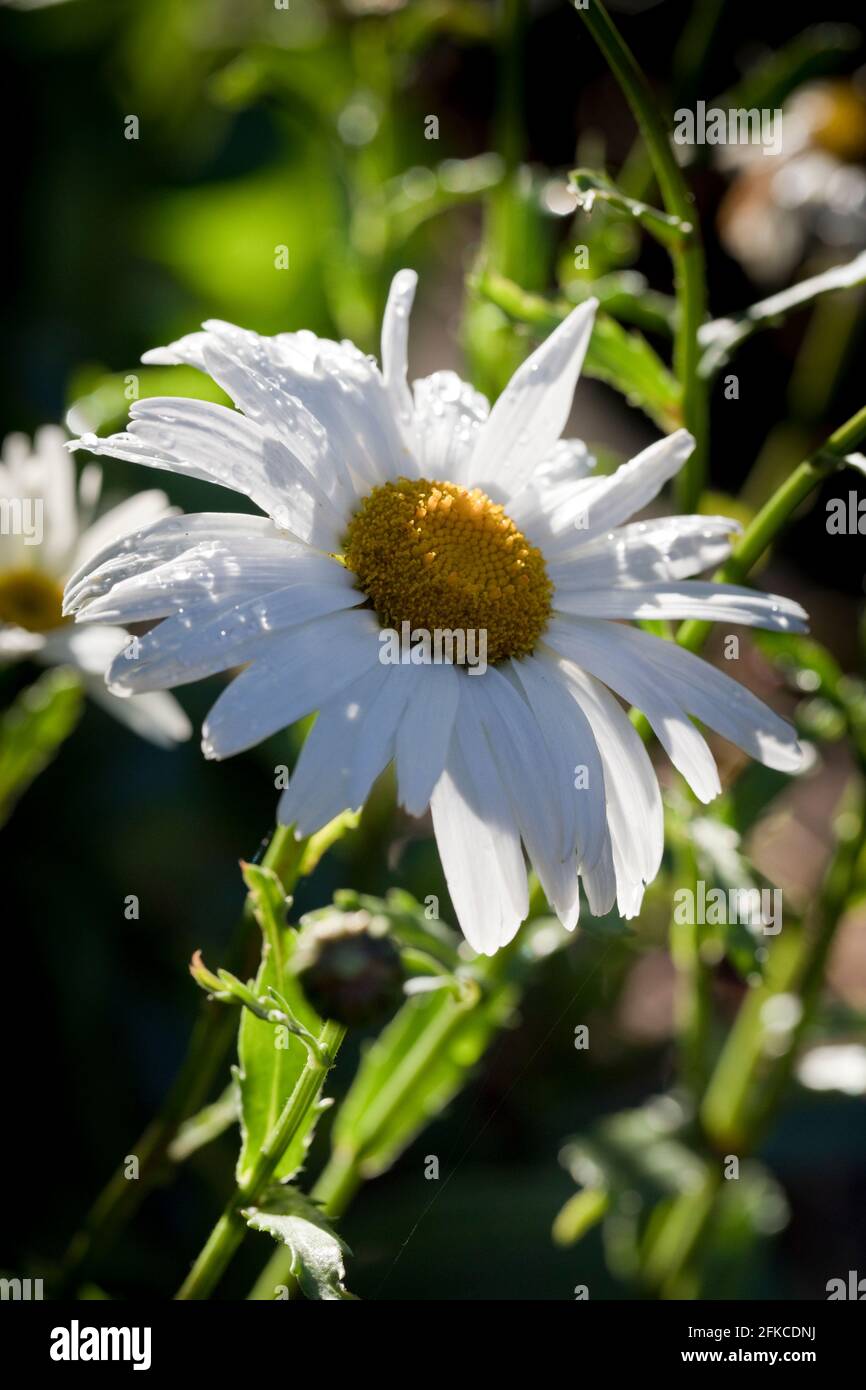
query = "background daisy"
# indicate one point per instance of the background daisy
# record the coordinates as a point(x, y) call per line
point(49, 529)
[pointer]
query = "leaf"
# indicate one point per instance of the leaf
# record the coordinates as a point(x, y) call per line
point(640, 1152)
point(32, 730)
point(580, 1213)
point(722, 865)
point(271, 1061)
point(316, 1249)
point(206, 1125)
point(721, 338)
point(419, 1062)
point(818, 50)
point(626, 296)
point(622, 359)
point(421, 193)
point(589, 185)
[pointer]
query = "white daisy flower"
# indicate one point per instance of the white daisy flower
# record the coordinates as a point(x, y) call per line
point(47, 531)
point(387, 504)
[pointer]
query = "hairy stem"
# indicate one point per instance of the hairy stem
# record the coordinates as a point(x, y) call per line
point(229, 1231)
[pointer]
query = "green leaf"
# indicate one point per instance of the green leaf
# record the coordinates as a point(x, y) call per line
point(622, 359)
point(580, 1213)
point(721, 338)
point(590, 185)
point(626, 295)
point(271, 1059)
point(722, 865)
point(206, 1125)
point(32, 730)
point(818, 50)
point(316, 1249)
point(420, 1061)
point(421, 193)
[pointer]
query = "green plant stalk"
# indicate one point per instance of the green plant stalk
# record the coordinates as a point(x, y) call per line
point(687, 259)
point(692, 1000)
point(732, 1119)
point(229, 1231)
point(766, 525)
point(344, 1172)
point(735, 1119)
point(211, 1039)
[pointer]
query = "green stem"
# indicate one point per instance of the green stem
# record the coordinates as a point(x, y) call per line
point(212, 1036)
point(344, 1171)
point(766, 525)
point(747, 1085)
point(229, 1231)
point(688, 259)
point(692, 1001)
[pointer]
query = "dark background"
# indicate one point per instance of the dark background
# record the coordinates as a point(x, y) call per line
point(118, 246)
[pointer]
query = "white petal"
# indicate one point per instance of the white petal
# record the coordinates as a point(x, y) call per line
point(16, 643)
point(448, 417)
point(532, 411)
point(672, 547)
point(328, 776)
point(131, 515)
point(335, 383)
point(213, 575)
point(529, 773)
point(247, 368)
point(193, 645)
point(55, 470)
point(156, 717)
point(634, 805)
point(162, 540)
point(91, 650)
point(647, 670)
point(593, 505)
point(210, 442)
point(572, 743)
point(600, 883)
point(375, 748)
point(551, 485)
point(425, 734)
point(690, 599)
point(478, 840)
point(395, 345)
point(684, 744)
point(294, 674)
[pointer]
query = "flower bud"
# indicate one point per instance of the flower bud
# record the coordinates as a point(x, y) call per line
point(348, 967)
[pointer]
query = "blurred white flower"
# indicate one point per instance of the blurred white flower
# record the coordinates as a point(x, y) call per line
point(834, 1067)
point(387, 504)
point(814, 193)
point(46, 531)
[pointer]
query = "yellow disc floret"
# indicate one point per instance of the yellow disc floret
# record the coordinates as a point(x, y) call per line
point(31, 600)
point(439, 556)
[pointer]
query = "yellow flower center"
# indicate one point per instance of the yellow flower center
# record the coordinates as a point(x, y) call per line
point(438, 556)
point(31, 600)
